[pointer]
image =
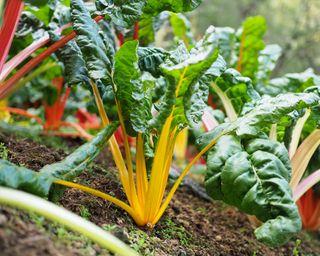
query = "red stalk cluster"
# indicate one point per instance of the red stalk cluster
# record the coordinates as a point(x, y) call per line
point(11, 18)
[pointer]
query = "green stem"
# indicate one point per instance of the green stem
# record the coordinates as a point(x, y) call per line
point(55, 213)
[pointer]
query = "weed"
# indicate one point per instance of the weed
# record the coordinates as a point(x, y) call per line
point(140, 242)
point(3, 151)
point(173, 231)
point(295, 251)
point(84, 212)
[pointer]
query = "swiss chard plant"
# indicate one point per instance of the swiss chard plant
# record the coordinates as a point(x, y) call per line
point(244, 167)
point(299, 130)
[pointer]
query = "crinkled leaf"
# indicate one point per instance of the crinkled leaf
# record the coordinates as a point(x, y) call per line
point(122, 12)
point(196, 98)
point(251, 43)
point(185, 70)
point(29, 24)
point(95, 48)
point(150, 59)
point(167, 102)
point(60, 17)
point(292, 82)
point(236, 88)
point(255, 169)
point(254, 176)
point(17, 177)
point(133, 98)
point(271, 110)
point(226, 40)
point(268, 58)
point(75, 71)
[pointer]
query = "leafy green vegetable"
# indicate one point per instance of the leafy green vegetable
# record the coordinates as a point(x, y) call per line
point(151, 58)
point(247, 170)
point(268, 58)
point(251, 43)
point(24, 179)
point(96, 51)
point(149, 25)
point(226, 39)
point(236, 88)
point(292, 82)
point(78, 161)
point(154, 7)
point(29, 24)
point(40, 183)
point(123, 13)
point(130, 92)
point(185, 70)
point(254, 176)
point(182, 28)
point(75, 71)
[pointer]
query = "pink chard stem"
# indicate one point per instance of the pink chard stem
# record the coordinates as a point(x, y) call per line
point(12, 15)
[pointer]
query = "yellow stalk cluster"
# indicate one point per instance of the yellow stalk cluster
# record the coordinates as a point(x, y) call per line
point(145, 194)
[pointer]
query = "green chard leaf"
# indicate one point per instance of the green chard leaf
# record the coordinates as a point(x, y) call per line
point(247, 170)
point(154, 6)
point(60, 17)
point(75, 71)
point(236, 89)
point(185, 70)
point(292, 82)
point(251, 43)
point(268, 58)
point(134, 100)
point(74, 164)
point(123, 13)
point(254, 176)
point(149, 25)
point(17, 177)
point(182, 29)
point(29, 24)
point(226, 39)
point(150, 59)
point(40, 183)
point(96, 50)
point(79, 160)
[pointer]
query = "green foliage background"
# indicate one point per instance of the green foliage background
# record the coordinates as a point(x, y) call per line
point(293, 24)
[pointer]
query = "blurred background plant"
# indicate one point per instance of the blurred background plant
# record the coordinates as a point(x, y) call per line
point(293, 24)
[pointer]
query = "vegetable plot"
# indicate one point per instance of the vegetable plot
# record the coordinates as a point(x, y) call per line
point(153, 95)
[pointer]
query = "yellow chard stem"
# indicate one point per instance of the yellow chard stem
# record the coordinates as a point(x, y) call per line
point(180, 148)
point(157, 170)
point(141, 171)
point(166, 170)
point(133, 192)
point(183, 174)
point(114, 147)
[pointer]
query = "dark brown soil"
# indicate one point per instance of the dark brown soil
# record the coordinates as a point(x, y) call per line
point(191, 225)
